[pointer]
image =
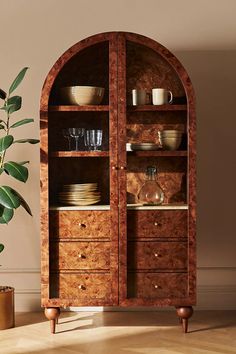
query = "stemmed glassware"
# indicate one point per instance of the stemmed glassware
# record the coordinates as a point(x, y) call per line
point(76, 133)
point(66, 134)
point(93, 139)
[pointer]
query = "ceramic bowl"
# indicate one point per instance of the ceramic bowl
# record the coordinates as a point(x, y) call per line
point(171, 133)
point(170, 143)
point(82, 95)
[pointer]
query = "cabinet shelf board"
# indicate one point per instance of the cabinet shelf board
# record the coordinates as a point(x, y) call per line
point(153, 108)
point(78, 207)
point(157, 207)
point(80, 153)
point(158, 153)
point(75, 108)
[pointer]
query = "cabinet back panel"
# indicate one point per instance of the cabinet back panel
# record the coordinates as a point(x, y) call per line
point(89, 67)
point(171, 177)
point(146, 69)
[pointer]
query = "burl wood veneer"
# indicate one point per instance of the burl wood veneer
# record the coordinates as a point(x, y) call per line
point(113, 255)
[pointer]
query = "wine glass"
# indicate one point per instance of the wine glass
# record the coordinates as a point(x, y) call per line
point(76, 133)
point(66, 134)
point(93, 139)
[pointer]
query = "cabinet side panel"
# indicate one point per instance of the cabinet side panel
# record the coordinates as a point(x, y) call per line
point(44, 206)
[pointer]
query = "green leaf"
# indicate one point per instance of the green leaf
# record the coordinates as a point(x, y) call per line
point(31, 141)
point(5, 142)
point(22, 122)
point(16, 170)
point(1, 170)
point(24, 204)
point(1, 247)
point(2, 126)
point(17, 80)
point(9, 198)
point(3, 94)
point(5, 215)
point(13, 104)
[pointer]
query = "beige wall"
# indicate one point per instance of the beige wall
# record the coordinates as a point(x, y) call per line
point(35, 33)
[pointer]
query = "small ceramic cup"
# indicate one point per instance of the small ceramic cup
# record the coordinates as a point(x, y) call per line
point(161, 96)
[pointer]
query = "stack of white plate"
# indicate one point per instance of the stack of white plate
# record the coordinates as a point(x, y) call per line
point(80, 194)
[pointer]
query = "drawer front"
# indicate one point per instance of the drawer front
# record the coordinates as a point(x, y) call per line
point(157, 285)
point(80, 224)
point(157, 255)
point(81, 286)
point(157, 223)
point(80, 255)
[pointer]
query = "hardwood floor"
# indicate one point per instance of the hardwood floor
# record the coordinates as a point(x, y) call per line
point(121, 333)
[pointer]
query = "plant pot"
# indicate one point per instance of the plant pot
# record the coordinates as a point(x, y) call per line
point(7, 311)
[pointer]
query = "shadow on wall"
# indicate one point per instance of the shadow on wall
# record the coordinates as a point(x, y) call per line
point(213, 74)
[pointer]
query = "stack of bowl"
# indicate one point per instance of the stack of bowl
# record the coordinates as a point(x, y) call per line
point(170, 139)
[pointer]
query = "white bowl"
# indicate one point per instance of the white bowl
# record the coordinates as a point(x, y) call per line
point(82, 95)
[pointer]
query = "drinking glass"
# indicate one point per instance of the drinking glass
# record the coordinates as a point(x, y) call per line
point(66, 134)
point(76, 133)
point(93, 139)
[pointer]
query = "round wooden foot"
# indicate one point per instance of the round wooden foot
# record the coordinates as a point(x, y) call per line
point(52, 314)
point(184, 313)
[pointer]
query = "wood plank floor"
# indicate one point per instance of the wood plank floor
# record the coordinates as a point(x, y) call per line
point(121, 333)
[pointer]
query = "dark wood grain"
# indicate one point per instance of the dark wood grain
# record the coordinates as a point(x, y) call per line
point(80, 255)
point(72, 108)
point(157, 224)
point(150, 255)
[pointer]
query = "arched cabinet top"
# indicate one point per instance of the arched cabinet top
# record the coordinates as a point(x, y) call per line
point(142, 54)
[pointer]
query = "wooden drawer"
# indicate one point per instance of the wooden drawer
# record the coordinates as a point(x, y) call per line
point(80, 255)
point(80, 224)
point(157, 223)
point(157, 285)
point(80, 286)
point(157, 255)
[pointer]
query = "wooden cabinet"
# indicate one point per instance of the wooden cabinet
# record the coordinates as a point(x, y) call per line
point(118, 252)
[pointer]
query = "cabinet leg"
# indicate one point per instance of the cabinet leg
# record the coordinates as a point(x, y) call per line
point(184, 313)
point(52, 314)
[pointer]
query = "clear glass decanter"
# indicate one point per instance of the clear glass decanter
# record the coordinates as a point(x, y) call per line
point(151, 193)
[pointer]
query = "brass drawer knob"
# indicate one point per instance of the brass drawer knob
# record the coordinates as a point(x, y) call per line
point(80, 255)
point(114, 168)
point(157, 255)
point(156, 286)
point(123, 167)
point(81, 287)
point(157, 224)
point(82, 226)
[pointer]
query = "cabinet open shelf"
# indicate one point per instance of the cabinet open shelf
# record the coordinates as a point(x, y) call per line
point(158, 153)
point(129, 207)
point(80, 153)
point(153, 108)
point(74, 108)
point(157, 207)
point(80, 207)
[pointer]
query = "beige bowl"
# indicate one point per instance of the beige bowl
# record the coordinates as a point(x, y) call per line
point(82, 95)
point(171, 133)
point(170, 143)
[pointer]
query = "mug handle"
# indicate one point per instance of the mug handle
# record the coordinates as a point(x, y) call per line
point(171, 97)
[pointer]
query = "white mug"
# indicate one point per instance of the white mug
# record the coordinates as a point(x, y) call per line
point(140, 97)
point(161, 96)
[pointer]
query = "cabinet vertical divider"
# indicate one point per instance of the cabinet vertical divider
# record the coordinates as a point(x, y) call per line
point(113, 154)
point(122, 163)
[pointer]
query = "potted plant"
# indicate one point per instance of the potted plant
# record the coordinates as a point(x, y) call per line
point(10, 199)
